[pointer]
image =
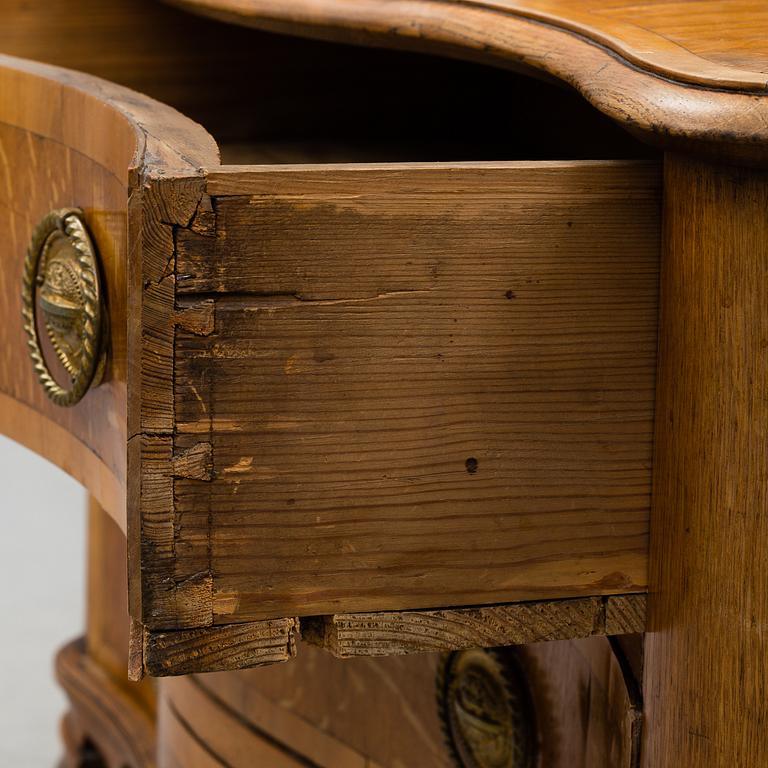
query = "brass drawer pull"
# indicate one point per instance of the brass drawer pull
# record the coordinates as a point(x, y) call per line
point(62, 288)
point(485, 708)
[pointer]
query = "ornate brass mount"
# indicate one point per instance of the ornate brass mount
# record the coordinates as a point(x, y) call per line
point(486, 710)
point(62, 287)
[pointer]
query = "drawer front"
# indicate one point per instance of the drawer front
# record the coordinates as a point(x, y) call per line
point(48, 164)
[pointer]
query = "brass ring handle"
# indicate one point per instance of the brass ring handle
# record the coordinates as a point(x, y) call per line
point(62, 287)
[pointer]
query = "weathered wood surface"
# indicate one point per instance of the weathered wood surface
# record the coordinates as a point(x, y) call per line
point(686, 74)
point(423, 386)
point(449, 234)
point(705, 668)
point(399, 632)
point(234, 646)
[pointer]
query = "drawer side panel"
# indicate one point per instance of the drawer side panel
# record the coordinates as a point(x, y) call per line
point(417, 389)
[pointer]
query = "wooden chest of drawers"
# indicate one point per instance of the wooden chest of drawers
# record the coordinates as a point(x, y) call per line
point(417, 354)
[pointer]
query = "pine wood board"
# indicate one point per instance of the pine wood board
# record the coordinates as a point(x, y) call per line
point(419, 386)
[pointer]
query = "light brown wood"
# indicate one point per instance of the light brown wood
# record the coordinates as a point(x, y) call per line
point(108, 715)
point(705, 673)
point(180, 748)
point(319, 713)
point(46, 172)
point(685, 74)
point(715, 43)
point(400, 632)
point(316, 427)
point(384, 105)
point(81, 158)
point(425, 386)
point(106, 592)
point(32, 429)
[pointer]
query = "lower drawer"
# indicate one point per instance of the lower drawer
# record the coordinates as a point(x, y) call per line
point(553, 705)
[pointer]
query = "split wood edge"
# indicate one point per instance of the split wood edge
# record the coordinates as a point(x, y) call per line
point(260, 643)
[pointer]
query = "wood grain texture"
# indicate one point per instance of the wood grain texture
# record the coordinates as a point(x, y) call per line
point(234, 742)
point(425, 386)
point(323, 707)
point(234, 646)
point(165, 203)
point(704, 42)
point(29, 427)
point(399, 632)
point(705, 671)
point(686, 74)
point(45, 173)
point(108, 716)
point(383, 105)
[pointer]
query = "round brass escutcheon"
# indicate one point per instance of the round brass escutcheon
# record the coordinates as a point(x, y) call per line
point(486, 710)
point(62, 292)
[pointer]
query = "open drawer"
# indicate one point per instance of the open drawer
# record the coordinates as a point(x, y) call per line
point(351, 397)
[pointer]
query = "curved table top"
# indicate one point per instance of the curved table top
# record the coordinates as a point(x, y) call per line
point(715, 43)
point(692, 72)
